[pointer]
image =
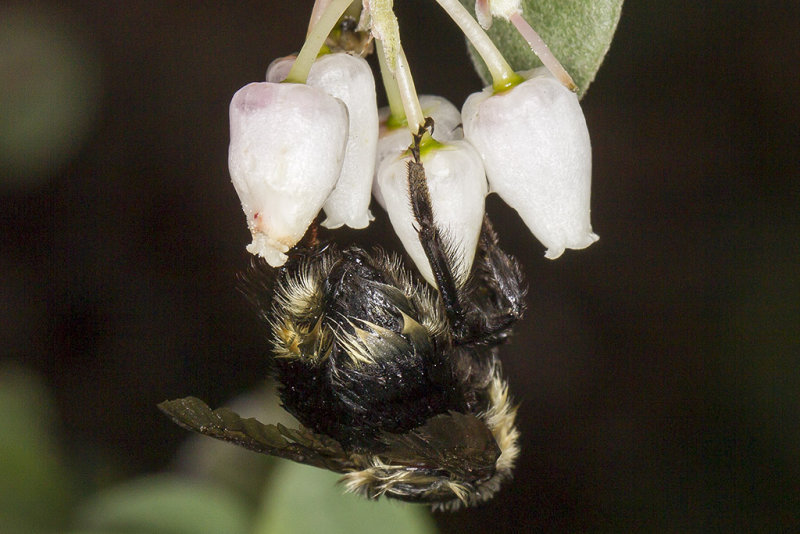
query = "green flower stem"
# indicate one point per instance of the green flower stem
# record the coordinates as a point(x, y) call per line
point(384, 24)
point(399, 84)
point(503, 76)
point(542, 51)
point(319, 8)
point(407, 91)
point(316, 13)
point(315, 39)
point(397, 115)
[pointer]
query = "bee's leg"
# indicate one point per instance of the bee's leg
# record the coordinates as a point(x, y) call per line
point(493, 298)
point(429, 236)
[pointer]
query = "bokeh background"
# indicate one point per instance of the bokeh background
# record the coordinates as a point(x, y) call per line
point(658, 371)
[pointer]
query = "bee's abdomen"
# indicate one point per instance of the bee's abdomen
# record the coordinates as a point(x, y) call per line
point(376, 369)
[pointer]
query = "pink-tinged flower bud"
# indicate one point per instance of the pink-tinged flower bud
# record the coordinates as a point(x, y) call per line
point(535, 147)
point(458, 188)
point(393, 142)
point(486, 9)
point(350, 79)
point(278, 70)
point(286, 151)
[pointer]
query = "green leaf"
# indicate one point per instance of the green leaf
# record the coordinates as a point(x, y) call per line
point(305, 499)
point(165, 504)
point(578, 32)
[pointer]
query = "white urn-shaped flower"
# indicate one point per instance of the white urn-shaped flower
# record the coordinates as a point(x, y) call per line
point(535, 147)
point(285, 156)
point(350, 79)
point(394, 141)
point(457, 187)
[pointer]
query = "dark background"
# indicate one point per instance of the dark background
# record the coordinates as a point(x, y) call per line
point(658, 370)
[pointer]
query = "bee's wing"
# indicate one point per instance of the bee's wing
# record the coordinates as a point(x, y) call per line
point(460, 443)
point(300, 445)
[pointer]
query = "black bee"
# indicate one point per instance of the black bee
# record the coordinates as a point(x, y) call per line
point(397, 386)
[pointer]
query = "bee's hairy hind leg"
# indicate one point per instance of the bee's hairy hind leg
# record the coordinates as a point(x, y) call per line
point(429, 235)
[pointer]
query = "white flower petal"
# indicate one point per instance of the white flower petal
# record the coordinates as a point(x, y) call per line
point(446, 117)
point(285, 155)
point(393, 142)
point(350, 79)
point(458, 188)
point(536, 149)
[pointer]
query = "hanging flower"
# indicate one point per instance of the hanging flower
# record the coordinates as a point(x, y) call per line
point(392, 142)
point(348, 78)
point(457, 187)
point(286, 152)
point(536, 150)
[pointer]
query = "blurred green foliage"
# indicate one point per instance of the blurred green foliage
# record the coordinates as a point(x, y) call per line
point(168, 504)
point(203, 495)
point(35, 491)
point(50, 83)
point(300, 498)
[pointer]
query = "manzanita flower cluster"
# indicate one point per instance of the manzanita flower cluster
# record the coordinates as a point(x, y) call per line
point(310, 138)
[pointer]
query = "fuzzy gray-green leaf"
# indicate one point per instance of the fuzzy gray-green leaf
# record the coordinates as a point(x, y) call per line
point(578, 32)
